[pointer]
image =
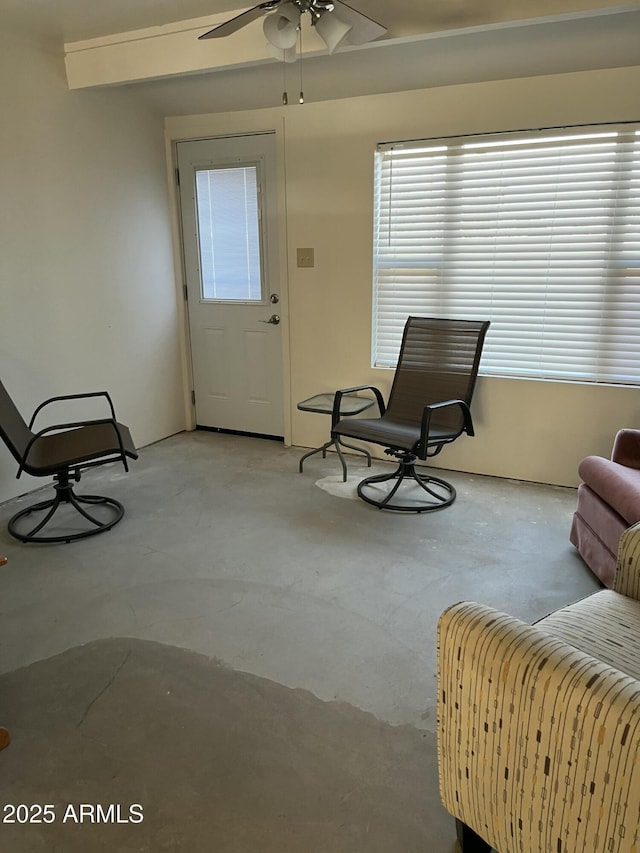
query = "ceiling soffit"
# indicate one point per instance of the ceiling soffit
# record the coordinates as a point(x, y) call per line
point(173, 50)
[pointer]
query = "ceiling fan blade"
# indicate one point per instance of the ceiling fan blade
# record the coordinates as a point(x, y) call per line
point(364, 29)
point(240, 20)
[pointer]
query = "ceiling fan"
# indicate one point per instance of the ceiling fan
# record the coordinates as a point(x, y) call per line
point(335, 22)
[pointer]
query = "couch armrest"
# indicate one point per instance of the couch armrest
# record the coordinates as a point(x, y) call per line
point(537, 742)
point(627, 579)
point(626, 448)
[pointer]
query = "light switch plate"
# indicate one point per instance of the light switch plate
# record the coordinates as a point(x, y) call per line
point(305, 258)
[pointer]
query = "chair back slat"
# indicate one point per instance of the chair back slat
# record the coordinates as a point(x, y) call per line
point(13, 430)
point(438, 361)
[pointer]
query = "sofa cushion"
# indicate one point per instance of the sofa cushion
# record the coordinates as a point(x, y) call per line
point(616, 484)
point(606, 625)
point(626, 448)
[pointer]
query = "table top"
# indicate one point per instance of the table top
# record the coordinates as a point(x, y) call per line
point(323, 403)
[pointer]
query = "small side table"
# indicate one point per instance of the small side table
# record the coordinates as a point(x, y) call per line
point(349, 405)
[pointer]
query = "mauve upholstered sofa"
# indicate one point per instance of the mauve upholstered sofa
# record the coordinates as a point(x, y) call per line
point(608, 503)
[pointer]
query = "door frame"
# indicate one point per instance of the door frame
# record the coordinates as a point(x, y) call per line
point(241, 128)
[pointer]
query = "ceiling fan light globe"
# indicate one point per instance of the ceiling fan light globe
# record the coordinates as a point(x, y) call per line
point(281, 27)
point(288, 55)
point(332, 30)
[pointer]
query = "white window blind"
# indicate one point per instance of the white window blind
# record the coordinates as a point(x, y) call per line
point(538, 232)
point(229, 233)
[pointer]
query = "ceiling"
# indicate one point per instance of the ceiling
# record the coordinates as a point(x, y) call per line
point(431, 43)
point(74, 20)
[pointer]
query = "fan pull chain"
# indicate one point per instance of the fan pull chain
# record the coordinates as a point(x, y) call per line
point(285, 95)
point(300, 62)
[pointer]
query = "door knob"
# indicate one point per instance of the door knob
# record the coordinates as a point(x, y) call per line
point(274, 320)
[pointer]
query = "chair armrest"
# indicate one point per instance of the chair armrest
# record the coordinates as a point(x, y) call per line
point(626, 448)
point(335, 415)
point(537, 742)
point(73, 397)
point(627, 579)
point(426, 423)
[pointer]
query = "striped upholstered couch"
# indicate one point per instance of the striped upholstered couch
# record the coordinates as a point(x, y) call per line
point(539, 725)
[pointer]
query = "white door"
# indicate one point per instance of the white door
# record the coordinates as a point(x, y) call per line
point(229, 234)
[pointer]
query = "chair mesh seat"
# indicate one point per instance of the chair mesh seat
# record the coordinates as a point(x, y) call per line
point(75, 446)
point(390, 433)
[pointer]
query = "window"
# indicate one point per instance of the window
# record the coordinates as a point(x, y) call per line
point(538, 232)
point(229, 233)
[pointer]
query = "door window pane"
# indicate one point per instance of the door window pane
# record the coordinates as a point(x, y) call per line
point(229, 233)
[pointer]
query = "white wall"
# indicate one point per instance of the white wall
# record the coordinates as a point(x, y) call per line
point(525, 429)
point(87, 288)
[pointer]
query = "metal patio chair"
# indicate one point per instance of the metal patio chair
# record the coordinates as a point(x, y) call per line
point(63, 451)
point(429, 407)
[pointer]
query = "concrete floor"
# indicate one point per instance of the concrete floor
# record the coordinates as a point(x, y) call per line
point(226, 550)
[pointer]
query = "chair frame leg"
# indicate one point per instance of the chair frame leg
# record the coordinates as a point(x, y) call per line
point(406, 470)
point(64, 494)
point(470, 841)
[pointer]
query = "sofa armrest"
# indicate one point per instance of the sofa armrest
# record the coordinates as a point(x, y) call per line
point(537, 742)
point(626, 448)
point(627, 579)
